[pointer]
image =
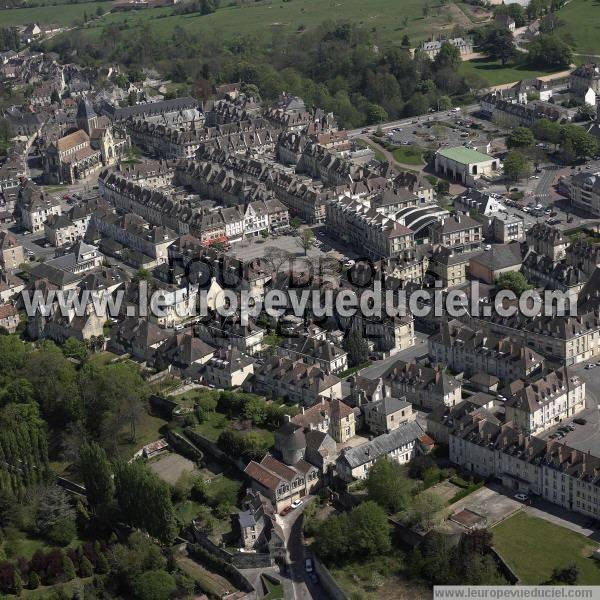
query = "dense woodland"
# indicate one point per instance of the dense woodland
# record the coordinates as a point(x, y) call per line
point(338, 66)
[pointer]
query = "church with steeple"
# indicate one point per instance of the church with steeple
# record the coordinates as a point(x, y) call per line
point(94, 143)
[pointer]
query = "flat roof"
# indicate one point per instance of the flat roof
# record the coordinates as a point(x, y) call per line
point(464, 155)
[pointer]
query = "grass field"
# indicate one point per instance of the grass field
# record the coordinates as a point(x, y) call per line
point(582, 21)
point(385, 19)
point(495, 74)
point(62, 14)
point(534, 547)
point(409, 155)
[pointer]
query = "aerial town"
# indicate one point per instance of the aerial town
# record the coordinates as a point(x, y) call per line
point(206, 446)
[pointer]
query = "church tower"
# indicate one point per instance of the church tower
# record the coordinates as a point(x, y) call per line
point(86, 118)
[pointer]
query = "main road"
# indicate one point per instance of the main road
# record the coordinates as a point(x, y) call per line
point(442, 115)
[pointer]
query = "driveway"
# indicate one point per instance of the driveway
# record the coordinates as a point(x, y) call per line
point(379, 367)
point(301, 587)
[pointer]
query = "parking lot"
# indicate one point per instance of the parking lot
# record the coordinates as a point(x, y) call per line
point(447, 129)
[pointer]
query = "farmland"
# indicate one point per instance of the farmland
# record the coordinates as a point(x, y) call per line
point(582, 22)
point(62, 14)
point(387, 20)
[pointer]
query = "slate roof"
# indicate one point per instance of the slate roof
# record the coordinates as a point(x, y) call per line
point(383, 445)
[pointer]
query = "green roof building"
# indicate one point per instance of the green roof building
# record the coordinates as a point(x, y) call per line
point(465, 165)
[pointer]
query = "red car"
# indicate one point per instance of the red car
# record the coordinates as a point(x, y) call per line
point(66, 197)
point(286, 511)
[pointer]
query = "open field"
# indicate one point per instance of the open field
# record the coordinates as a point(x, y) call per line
point(62, 14)
point(409, 155)
point(534, 547)
point(377, 579)
point(582, 22)
point(387, 20)
point(494, 73)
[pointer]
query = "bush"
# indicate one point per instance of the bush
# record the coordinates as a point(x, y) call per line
point(34, 580)
point(62, 533)
point(154, 585)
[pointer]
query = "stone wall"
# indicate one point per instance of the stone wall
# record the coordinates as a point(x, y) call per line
point(327, 581)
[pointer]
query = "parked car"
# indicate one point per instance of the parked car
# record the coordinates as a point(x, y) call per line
point(521, 497)
point(590, 366)
point(309, 565)
point(296, 503)
point(580, 421)
point(285, 511)
point(314, 578)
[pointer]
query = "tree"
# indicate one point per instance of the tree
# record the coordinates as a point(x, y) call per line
point(444, 103)
point(137, 489)
point(34, 581)
point(447, 58)
point(54, 97)
point(565, 576)
point(442, 186)
point(514, 281)
point(498, 43)
point(521, 137)
point(142, 275)
point(427, 510)
point(369, 530)
point(68, 568)
point(387, 485)
point(306, 240)
point(295, 223)
point(376, 114)
point(587, 112)
point(361, 533)
point(97, 475)
point(74, 348)
point(357, 348)
point(517, 166)
point(276, 258)
point(154, 585)
point(582, 143)
point(547, 50)
point(54, 381)
point(54, 517)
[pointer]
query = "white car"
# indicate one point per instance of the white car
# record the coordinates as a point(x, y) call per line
point(521, 497)
point(487, 246)
point(590, 366)
point(296, 503)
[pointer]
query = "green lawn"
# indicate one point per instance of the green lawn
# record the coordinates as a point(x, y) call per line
point(62, 14)
point(494, 73)
point(582, 22)
point(223, 488)
point(534, 547)
point(409, 155)
point(384, 18)
point(216, 423)
point(274, 591)
point(213, 425)
point(148, 430)
point(188, 510)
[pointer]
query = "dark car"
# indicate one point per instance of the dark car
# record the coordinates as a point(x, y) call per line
point(580, 421)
